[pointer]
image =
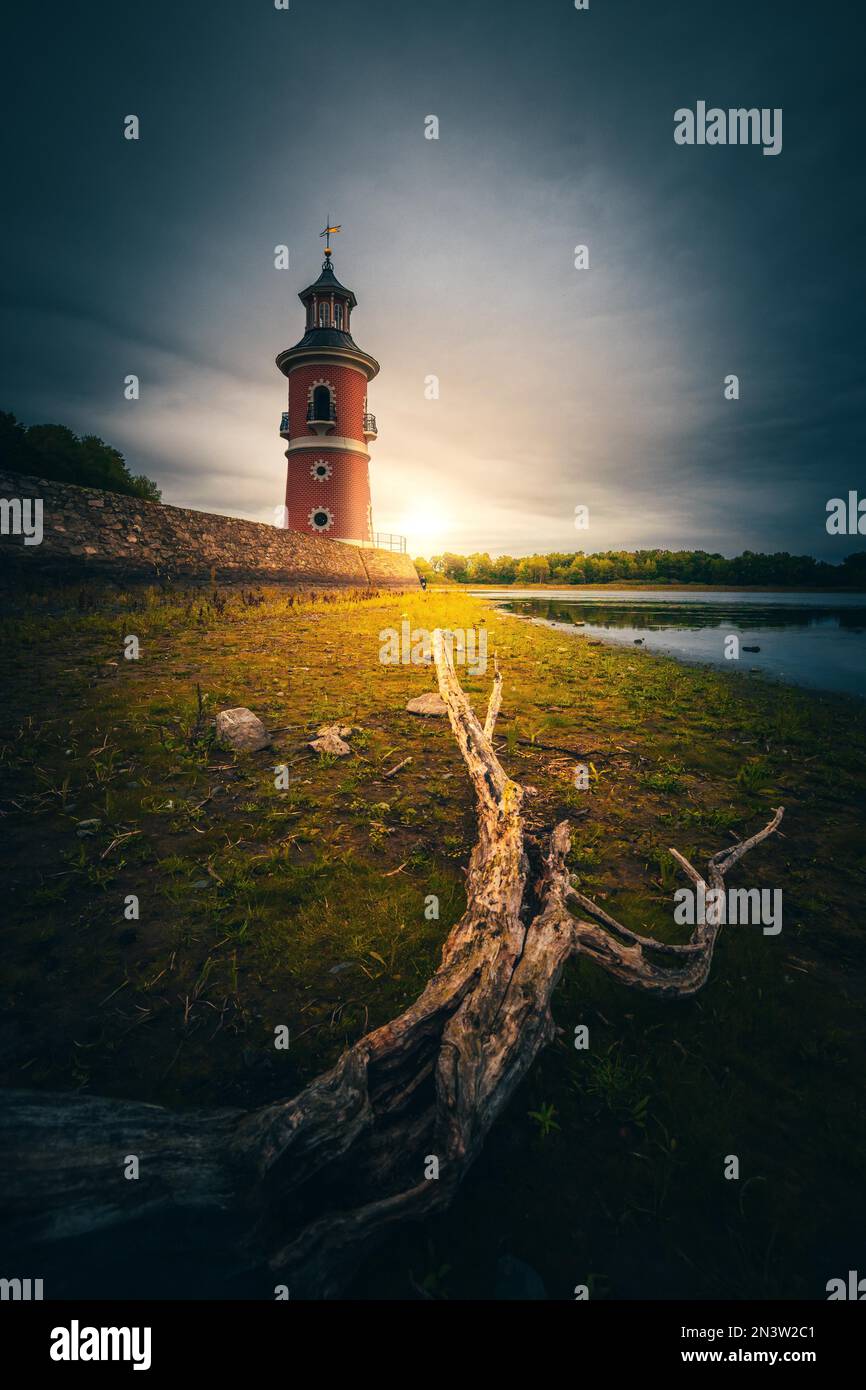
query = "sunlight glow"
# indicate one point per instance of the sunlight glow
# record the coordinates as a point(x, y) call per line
point(426, 528)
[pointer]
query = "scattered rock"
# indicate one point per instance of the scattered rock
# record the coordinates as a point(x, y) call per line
point(242, 730)
point(343, 965)
point(331, 742)
point(87, 827)
point(638, 641)
point(201, 883)
point(431, 703)
point(341, 730)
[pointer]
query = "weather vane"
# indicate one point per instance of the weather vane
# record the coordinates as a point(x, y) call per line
point(327, 235)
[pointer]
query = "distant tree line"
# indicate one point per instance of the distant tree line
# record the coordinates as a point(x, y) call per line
point(55, 453)
point(649, 566)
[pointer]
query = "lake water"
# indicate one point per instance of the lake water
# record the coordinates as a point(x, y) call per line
point(815, 640)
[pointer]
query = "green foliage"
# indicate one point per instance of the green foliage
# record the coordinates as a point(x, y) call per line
point(755, 775)
point(665, 778)
point(259, 906)
point(652, 567)
point(616, 1084)
point(55, 453)
point(544, 1118)
point(533, 569)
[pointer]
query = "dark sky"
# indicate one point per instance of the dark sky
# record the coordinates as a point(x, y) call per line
point(558, 387)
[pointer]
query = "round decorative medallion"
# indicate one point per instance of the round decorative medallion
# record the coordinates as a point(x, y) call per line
point(321, 519)
point(321, 470)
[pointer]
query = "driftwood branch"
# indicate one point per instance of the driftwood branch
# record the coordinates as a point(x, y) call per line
point(311, 1185)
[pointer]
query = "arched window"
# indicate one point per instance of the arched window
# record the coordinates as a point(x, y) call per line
point(321, 403)
point(324, 315)
point(338, 316)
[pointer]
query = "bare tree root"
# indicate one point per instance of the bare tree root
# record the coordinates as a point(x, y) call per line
point(312, 1184)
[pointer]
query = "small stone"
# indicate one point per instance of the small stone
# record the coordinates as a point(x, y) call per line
point(201, 883)
point(341, 730)
point(343, 965)
point(429, 704)
point(331, 742)
point(242, 730)
point(87, 827)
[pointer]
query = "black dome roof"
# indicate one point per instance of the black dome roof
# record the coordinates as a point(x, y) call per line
point(327, 337)
point(327, 283)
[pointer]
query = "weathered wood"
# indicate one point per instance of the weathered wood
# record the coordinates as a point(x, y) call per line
point(312, 1184)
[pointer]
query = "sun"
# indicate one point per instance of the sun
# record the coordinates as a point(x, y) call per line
point(426, 528)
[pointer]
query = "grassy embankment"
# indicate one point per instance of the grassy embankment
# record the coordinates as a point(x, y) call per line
point(306, 907)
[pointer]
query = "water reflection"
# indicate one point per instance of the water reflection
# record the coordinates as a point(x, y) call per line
point(692, 616)
point(808, 639)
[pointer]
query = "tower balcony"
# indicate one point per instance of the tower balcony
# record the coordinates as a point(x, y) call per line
point(284, 425)
point(321, 419)
point(370, 431)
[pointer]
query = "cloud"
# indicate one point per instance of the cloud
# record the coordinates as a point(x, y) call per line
point(558, 386)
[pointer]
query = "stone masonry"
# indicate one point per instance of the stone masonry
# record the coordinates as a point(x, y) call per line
point(88, 532)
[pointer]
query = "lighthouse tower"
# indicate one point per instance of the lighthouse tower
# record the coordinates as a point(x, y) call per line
point(327, 426)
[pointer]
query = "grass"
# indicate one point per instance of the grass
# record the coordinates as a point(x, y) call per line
point(308, 908)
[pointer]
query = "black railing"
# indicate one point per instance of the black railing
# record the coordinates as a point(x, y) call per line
point(370, 424)
point(316, 417)
point(284, 422)
point(384, 540)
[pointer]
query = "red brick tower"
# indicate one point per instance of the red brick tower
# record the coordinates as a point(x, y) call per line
point(327, 425)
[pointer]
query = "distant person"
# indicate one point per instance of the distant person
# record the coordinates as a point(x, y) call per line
point(423, 581)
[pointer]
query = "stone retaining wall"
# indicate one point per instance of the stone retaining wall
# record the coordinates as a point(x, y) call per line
point(88, 532)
